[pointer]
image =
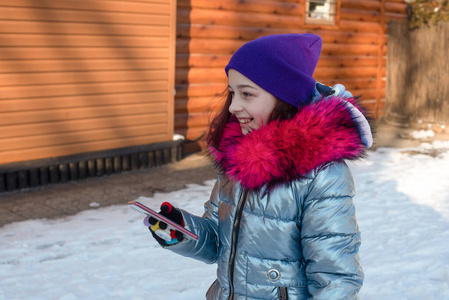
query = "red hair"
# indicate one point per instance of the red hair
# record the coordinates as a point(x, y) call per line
point(281, 111)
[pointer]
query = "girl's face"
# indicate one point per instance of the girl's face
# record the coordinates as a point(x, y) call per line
point(250, 103)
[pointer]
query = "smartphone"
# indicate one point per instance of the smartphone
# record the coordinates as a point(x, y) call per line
point(170, 224)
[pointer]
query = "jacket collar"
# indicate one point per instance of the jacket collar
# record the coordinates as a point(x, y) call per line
point(282, 151)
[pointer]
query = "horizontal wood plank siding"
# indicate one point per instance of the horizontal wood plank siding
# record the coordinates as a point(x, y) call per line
point(210, 31)
point(84, 76)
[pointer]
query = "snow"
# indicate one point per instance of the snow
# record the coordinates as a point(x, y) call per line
point(422, 134)
point(178, 137)
point(402, 206)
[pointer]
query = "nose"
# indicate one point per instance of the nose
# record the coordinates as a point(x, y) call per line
point(235, 106)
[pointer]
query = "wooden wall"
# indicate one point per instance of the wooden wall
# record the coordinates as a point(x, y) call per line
point(209, 31)
point(84, 75)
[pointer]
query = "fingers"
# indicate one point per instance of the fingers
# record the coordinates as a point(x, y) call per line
point(166, 208)
point(166, 237)
point(179, 236)
point(152, 220)
point(172, 213)
point(160, 240)
point(160, 230)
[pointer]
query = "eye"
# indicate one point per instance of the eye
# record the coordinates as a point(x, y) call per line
point(231, 93)
point(246, 94)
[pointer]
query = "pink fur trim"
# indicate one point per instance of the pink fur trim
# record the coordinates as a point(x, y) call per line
point(282, 151)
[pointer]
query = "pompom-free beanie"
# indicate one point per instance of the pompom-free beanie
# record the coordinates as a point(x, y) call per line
point(281, 64)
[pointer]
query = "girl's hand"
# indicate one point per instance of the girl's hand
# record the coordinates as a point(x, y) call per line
point(159, 230)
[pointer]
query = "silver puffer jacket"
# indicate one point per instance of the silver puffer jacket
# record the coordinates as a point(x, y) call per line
point(281, 222)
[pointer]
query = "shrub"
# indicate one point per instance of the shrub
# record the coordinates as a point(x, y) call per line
point(427, 12)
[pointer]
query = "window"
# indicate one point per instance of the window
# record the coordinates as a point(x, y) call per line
point(321, 12)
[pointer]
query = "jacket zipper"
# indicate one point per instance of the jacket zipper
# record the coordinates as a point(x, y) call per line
point(283, 295)
point(234, 240)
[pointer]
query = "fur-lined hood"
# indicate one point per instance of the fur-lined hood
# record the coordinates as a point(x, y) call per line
point(282, 151)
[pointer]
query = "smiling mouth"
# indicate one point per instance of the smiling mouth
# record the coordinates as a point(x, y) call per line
point(245, 121)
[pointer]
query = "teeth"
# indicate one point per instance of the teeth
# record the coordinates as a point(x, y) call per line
point(244, 121)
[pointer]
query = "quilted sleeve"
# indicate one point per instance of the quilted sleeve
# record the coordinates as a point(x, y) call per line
point(206, 228)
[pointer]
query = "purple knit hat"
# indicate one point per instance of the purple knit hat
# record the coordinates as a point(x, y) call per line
point(281, 64)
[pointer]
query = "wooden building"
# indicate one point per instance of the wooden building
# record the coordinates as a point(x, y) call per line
point(86, 86)
point(209, 31)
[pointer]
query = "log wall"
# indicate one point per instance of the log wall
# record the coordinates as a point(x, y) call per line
point(210, 31)
point(82, 76)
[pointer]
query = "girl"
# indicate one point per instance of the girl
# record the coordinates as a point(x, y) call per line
point(280, 222)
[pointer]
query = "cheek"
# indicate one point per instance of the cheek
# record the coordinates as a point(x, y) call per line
point(263, 118)
point(267, 117)
point(268, 112)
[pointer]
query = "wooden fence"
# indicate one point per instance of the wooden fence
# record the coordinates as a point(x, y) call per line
point(418, 74)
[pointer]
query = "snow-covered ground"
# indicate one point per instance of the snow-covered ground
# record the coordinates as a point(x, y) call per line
point(402, 204)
